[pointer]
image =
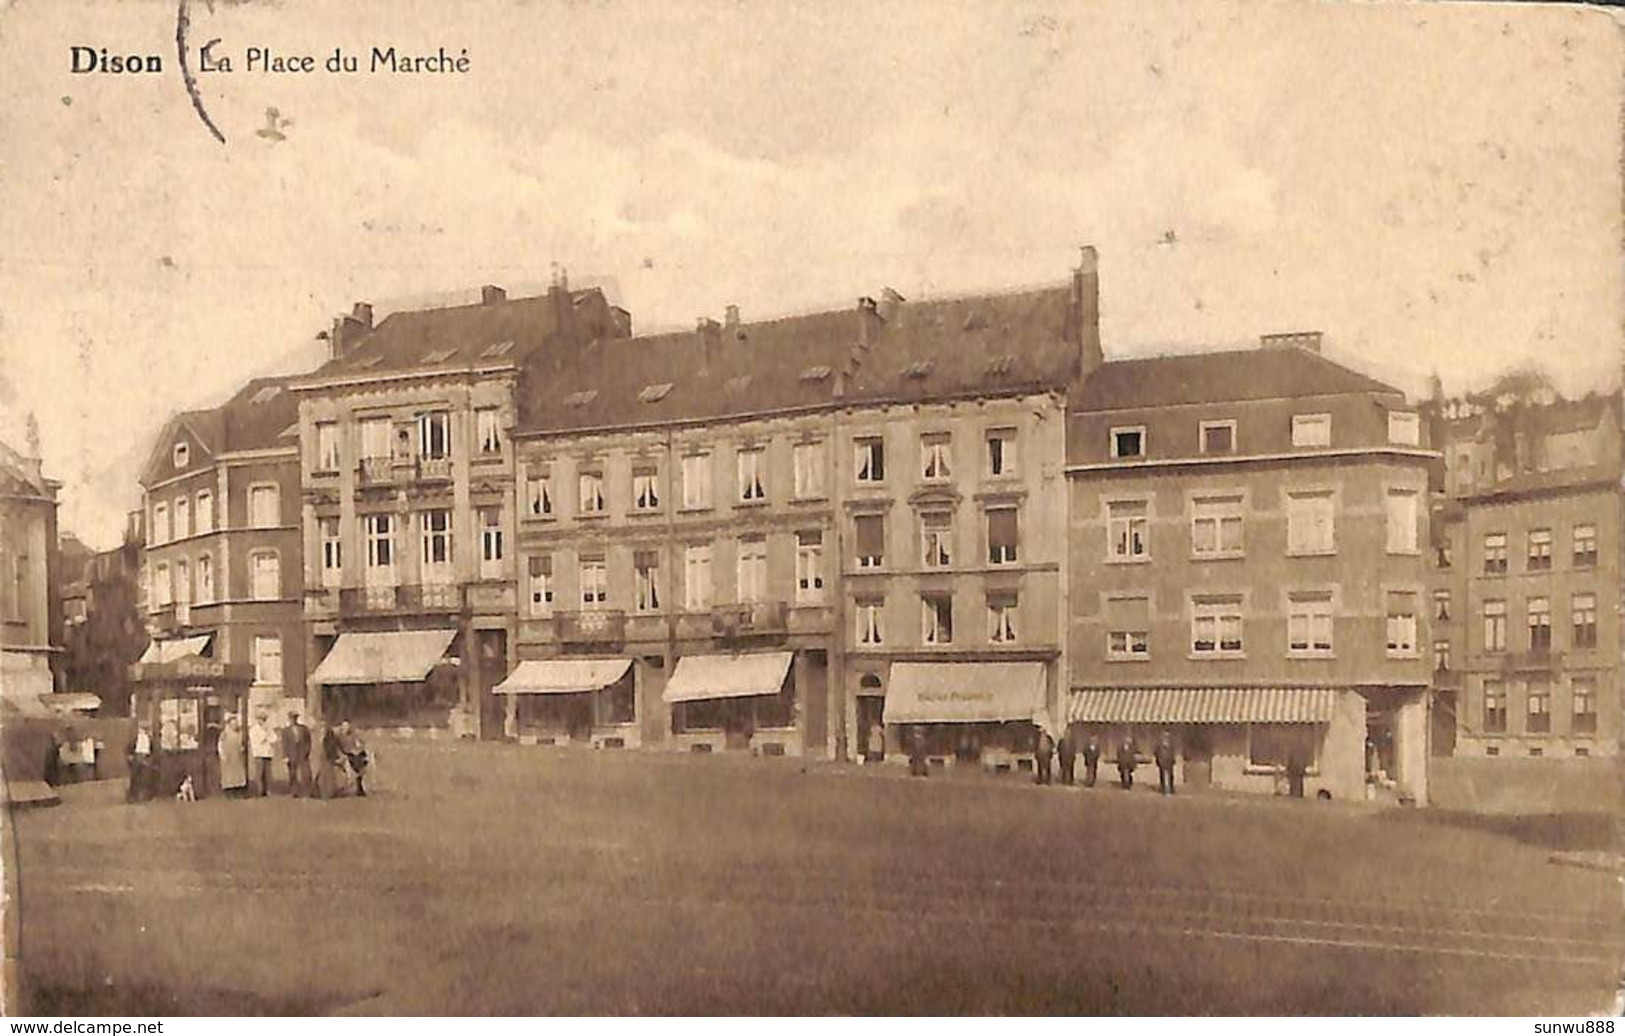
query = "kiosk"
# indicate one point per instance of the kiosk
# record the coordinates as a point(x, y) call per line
point(183, 705)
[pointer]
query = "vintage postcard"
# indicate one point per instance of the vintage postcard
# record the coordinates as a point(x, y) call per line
point(795, 508)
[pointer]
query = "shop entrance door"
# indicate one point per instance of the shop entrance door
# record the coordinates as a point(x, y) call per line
point(871, 712)
point(1198, 751)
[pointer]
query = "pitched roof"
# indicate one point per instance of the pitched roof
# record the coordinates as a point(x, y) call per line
point(257, 416)
point(1214, 377)
point(21, 474)
point(1591, 476)
point(930, 349)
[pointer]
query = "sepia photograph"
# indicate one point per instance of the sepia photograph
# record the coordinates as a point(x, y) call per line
point(799, 508)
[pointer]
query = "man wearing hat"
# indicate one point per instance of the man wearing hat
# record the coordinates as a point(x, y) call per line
point(296, 749)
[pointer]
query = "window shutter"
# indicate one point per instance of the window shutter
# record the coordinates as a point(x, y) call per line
point(1001, 526)
point(871, 535)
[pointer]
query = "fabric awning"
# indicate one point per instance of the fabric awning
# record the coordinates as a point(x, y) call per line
point(403, 656)
point(564, 676)
point(1204, 705)
point(965, 692)
point(702, 677)
point(163, 651)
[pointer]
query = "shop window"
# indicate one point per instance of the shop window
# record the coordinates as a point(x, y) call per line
point(775, 711)
point(1583, 611)
point(1270, 745)
point(618, 703)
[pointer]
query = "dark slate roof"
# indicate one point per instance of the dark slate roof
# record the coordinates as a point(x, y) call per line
point(989, 344)
point(1215, 377)
point(257, 417)
point(1591, 476)
point(18, 474)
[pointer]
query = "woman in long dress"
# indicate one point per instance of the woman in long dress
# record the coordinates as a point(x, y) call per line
point(233, 760)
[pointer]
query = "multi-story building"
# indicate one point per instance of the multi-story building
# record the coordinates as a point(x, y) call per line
point(104, 627)
point(408, 499)
point(223, 569)
point(1527, 570)
point(30, 609)
point(794, 534)
point(1247, 567)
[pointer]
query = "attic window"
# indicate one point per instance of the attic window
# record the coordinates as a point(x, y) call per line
point(654, 393)
point(999, 366)
point(581, 398)
point(439, 356)
point(919, 369)
point(818, 373)
point(498, 349)
point(182, 455)
point(368, 361)
point(266, 394)
point(739, 383)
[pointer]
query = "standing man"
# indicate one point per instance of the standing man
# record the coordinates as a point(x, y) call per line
point(1067, 750)
point(138, 754)
point(261, 748)
point(916, 752)
point(296, 750)
point(1091, 761)
point(1295, 769)
point(1127, 760)
point(1164, 755)
point(1044, 753)
point(355, 752)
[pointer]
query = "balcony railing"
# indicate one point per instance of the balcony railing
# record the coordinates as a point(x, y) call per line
point(590, 627)
point(374, 471)
point(754, 619)
point(434, 469)
point(376, 600)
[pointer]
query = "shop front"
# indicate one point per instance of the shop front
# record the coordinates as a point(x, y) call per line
point(968, 713)
point(738, 702)
point(183, 706)
point(582, 701)
point(396, 679)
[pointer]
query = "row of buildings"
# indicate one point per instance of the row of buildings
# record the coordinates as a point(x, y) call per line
point(517, 519)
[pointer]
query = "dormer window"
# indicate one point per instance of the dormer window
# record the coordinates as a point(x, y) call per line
point(182, 454)
point(1404, 428)
point(1218, 436)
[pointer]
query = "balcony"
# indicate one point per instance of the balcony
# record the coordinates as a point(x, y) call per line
point(756, 619)
point(398, 600)
point(590, 627)
point(434, 469)
point(375, 471)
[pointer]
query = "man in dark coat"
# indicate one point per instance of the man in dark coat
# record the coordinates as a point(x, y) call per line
point(1164, 755)
point(296, 750)
point(1043, 754)
point(1091, 760)
point(1127, 760)
point(1067, 751)
point(1295, 769)
point(916, 752)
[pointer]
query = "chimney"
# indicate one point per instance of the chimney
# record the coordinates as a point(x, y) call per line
point(1084, 317)
point(1307, 340)
point(563, 307)
point(870, 322)
point(491, 295)
point(349, 329)
point(890, 303)
point(710, 335)
point(730, 316)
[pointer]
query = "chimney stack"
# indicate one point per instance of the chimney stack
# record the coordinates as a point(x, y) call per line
point(730, 316)
point(491, 294)
point(1084, 317)
point(890, 303)
point(1307, 340)
point(870, 321)
point(563, 306)
point(710, 335)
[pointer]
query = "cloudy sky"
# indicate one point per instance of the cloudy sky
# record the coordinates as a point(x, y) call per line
point(1434, 186)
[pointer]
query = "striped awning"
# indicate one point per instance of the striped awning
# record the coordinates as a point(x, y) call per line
point(563, 676)
point(164, 651)
point(1204, 705)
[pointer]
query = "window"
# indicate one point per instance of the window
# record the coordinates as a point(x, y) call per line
point(697, 480)
point(645, 488)
point(487, 430)
point(937, 626)
point(869, 459)
point(436, 538)
point(869, 536)
point(1584, 690)
point(591, 493)
point(937, 539)
point(268, 660)
point(752, 475)
point(1001, 618)
point(1270, 745)
point(265, 569)
point(697, 578)
point(1003, 536)
point(181, 455)
point(183, 583)
point(1495, 553)
point(327, 446)
point(434, 435)
point(1128, 628)
point(1401, 622)
point(263, 509)
point(1441, 656)
point(752, 570)
point(1540, 624)
point(163, 591)
point(809, 566)
point(539, 494)
point(1404, 428)
point(1001, 452)
point(870, 612)
point(646, 580)
point(379, 532)
point(1585, 546)
point(808, 461)
point(1441, 606)
point(183, 518)
point(375, 438)
point(936, 461)
point(1495, 707)
point(541, 584)
point(1216, 526)
point(491, 546)
point(1311, 523)
point(1311, 429)
point(1540, 550)
point(1128, 531)
point(1216, 625)
point(203, 514)
point(1128, 442)
point(1539, 702)
point(332, 552)
point(1218, 436)
point(1583, 610)
point(1402, 521)
point(1444, 556)
point(1309, 623)
point(594, 581)
point(160, 523)
point(1495, 626)
point(205, 579)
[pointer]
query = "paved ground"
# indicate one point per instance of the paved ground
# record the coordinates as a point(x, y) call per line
point(523, 880)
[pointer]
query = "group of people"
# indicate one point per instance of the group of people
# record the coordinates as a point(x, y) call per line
point(1065, 750)
point(245, 765)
